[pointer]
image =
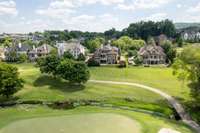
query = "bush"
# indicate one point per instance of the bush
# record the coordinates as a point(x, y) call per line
point(123, 64)
point(68, 55)
point(92, 63)
point(138, 60)
point(81, 57)
point(22, 58)
point(73, 71)
point(10, 82)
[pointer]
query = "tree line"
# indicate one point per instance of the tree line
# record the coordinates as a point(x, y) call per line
point(139, 30)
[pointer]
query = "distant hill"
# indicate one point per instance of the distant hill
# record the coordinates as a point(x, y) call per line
point(186, 25)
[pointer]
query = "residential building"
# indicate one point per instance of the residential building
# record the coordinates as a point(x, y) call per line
point(40, 51)
point(152, 55)
point(107, 54)
point(12, 52)
point(73, 46)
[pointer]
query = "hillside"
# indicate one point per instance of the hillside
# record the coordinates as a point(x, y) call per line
point(186, 25)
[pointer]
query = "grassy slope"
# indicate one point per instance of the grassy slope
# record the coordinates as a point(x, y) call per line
point(45, 88)
point(41, 87)
point(161, 78)
point(149, 123)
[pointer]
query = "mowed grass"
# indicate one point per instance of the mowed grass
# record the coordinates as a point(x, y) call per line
point(158, 77)
point(28, 119)
point(41, 87)
point(87, 123)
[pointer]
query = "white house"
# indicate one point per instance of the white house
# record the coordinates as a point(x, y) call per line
point(74, 47)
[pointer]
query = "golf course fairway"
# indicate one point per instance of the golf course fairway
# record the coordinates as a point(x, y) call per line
point(81, 123)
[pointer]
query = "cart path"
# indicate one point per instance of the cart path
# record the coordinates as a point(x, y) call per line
point(176, 105)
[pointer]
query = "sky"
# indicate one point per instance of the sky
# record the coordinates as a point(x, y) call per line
point(23, 16)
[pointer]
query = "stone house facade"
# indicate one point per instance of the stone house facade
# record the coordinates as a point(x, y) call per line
point(107, 54)
point(40, 51)
point(152, 55)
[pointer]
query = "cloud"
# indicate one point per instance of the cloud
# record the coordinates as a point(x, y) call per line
point(57, 9)
point(8, 8)
point(63, 8)
point(98, 23)
point(103, 2)
point(179, 5)
point(143, 4)
point(156, 17)
point(190, 18)
point(195, 9)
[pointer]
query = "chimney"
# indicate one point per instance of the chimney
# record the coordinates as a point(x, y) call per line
point(20, 45)
point(33, 47)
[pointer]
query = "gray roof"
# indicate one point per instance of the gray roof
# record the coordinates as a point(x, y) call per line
point(73, 45)
point(151, 49)
point(19, 48)
point(44, 47)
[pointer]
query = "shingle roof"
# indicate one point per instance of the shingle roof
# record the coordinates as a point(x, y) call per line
point(149, 49)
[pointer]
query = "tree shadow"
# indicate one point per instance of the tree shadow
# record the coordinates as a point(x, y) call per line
point(57, 83)
point(10, 99)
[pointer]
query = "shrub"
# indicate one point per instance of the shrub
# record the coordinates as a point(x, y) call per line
point(68, 55)
point(122, 64)
point(73, 71)
point(81, 57)
point(138, 60)
point(22, 58)
point(10, 82)
point(92, 63)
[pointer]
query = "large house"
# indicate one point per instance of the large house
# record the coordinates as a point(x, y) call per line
point(152, 55)
point(12, 52)
point(40, 51)
point(107, 54)
point(73, 46)
point(190, 34)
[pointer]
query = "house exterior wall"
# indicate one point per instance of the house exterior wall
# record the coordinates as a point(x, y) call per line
point(74, 49)
point(153, 59)
point(152, 55)
point(106, 56)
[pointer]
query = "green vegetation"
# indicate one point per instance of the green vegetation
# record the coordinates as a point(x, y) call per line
point(46, 88)
point(10, 82)
point(169, 51)
point(158, 77)
point(42, 87)
point(93, 44)
point(146, 29)
point(73, 71)
point(126, 43)
point(68, 69)
point(91, 118)
point(187, 66)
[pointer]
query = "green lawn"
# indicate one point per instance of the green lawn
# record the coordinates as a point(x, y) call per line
point(161, 78)
point(29, 119)
point(45, 88)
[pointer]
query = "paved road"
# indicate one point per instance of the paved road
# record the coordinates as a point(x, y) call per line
point(177, 106)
